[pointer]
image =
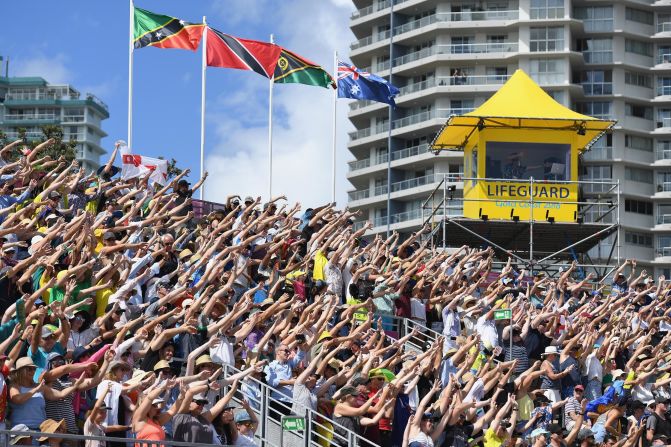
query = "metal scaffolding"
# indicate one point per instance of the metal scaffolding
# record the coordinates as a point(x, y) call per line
point(547, 250)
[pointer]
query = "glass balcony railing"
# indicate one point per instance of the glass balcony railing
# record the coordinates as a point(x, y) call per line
point(598, 154)
point(415, 182)
point(461, 48)
point(379, 190)
point(375, 7)
point(663, 153)
point(359, 164)
point(29, 135)
point(664, 27)
point(546, 13)
point(664, 187)
point(32, 117)
point(382, 158)
point(664, 90)
point(664, 121)
point(663, 58)
point(663, 219)
point(408, 121)
point(663, 251)
point(358, 195)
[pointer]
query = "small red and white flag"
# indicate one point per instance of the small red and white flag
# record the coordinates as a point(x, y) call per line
point(133, 165)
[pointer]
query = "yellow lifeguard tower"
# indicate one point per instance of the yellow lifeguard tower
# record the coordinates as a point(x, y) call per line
point(521, 152)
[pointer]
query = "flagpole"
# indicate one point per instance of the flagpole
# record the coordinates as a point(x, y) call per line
point(131, 29)
point(270, 132)
point(335, 109)
point(391, 66)
point(202, 107)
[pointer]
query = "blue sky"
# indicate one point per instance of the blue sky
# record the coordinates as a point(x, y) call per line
point(84, 43)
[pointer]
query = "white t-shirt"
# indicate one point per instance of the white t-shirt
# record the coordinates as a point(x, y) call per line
point(417, 309)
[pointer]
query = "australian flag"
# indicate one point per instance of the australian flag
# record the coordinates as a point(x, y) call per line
point(358, 84)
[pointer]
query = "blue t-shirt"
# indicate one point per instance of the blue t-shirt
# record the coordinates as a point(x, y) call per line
point(40, 359)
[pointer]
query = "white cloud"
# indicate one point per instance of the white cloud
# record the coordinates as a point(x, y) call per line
point(302, 138)
point(54, 67)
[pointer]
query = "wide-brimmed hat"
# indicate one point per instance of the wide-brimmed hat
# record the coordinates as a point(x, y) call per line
point(50, 426)
point(24, 362)
point(17, 436)
point(550, 350)
point(204, 359)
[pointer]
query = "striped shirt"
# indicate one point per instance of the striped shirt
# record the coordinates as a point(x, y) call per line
point(519, 353)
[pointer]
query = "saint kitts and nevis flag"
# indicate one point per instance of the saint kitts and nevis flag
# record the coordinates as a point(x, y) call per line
point(226, 51)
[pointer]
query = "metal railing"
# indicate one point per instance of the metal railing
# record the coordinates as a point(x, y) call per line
point(358, 195)
point(398, 327)
point(663, 154)
point(359, 164)
point(382, 158)
point(461, 48)
point(663, 186)
point(94, 99)
point(31, 116)
point(319, 429)
point(546, 13)
point(664, 27)
point(663, 58)
point(73, 119)
point(663, 219)
point(663, 251)
point(664, 121)
point(7, 435)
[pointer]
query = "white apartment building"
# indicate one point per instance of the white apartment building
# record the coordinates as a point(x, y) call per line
point(31, 102)
point(605, 59)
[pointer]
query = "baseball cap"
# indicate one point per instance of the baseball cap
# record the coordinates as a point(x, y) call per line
point(241, 417)
point(348, 390)
point(108, 235)
point(200, 398)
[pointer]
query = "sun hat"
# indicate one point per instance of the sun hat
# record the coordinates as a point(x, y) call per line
point(204, 359)
point(50, 426)
point(349, 391)
point(17, 436)
point(23, 362)
point(161, 364)
point(550, 350)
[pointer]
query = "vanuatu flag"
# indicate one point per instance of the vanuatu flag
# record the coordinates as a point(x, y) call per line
point(161, 31)
point(292, 68)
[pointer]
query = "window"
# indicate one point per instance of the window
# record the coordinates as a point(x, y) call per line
point(638, 47)
point(638, 111)
point(547, 71)
point(664, 214)
point(497, 74)
point(663, 181)
point(461, 106)
point(638, 206)
point(663, 245)
point(638, 79)
point(663, 150)
point(546, 9)
point(642, 239)
point(597, 109)
point(596, 18)
point(547, 39)
point(639, 143)
point(663, 118)
point(640, 16)
point(638, 175)
point(596, 82)
point(596, 51)
point(525, 160)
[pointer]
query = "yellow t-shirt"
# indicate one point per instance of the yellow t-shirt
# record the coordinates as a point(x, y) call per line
point(102, 297)
point(320, 262)
point(491, 440)
point(98, 232)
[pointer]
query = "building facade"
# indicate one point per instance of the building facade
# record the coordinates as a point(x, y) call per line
point(604, 59)
point(31, 102)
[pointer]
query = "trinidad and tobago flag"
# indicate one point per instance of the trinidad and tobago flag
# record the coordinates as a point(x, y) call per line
point(224, 50)
point(161, 31)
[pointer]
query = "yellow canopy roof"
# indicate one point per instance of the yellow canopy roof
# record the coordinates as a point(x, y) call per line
point(519, 104)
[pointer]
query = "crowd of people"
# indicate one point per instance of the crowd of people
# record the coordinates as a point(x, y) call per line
point(125, 316)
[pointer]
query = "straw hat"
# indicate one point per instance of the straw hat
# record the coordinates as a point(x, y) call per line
point(50, 426)
point(23, 362)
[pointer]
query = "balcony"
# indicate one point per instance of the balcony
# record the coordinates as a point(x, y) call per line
point(598, 154)
point(664, 219)
point(73, 119)
point(466, 48)
point(39, 96)
point(664, 122)
point(32, 117)
point(358, 195)
point(12, 136)
point(454, 80)
point(408, 121)
point(663, 154)
point(663, 252)
point(664, 27)
point(664, 187)
point(375, 7)
point(663, 58)
point(382, 158)
point(597, 88)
